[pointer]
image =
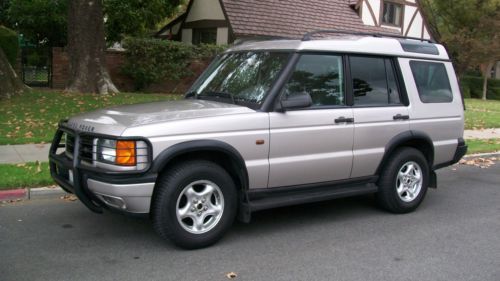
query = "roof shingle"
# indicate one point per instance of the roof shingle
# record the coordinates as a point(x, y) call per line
point(292, 18)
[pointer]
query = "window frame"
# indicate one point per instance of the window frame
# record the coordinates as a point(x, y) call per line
point(291, 68)
point(401, 17)
point(398, 78)
point(197, 34)
point(412, 62)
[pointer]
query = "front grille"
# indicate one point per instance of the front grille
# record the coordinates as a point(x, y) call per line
point(86, 147)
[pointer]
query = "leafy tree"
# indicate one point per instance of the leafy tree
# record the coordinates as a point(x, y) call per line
point(40, 21)
point(135, 17)
point(470, 29)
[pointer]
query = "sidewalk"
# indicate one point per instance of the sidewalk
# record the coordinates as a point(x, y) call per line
point(21, 153)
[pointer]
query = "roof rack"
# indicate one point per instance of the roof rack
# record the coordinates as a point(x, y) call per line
point(308, 35)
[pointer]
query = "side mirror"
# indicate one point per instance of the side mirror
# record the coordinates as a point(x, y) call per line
point(301, 100)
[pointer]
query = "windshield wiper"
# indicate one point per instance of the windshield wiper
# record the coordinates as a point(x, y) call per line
point(217, 95)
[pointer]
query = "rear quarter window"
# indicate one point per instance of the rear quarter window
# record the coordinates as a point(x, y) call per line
point(432, 82)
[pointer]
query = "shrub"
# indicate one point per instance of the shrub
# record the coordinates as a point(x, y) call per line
point(152, 60)
point(472, 87)
point(9, 44)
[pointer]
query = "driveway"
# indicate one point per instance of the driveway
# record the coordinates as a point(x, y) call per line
point(454, 235)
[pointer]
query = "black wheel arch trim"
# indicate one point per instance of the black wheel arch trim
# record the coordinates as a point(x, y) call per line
point(167, 155)
point(400, 139)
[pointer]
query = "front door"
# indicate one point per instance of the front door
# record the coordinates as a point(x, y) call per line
point(314, 144)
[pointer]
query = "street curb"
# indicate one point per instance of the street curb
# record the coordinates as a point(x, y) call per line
point(32, 193)
point(13, 194)
point(482, 154)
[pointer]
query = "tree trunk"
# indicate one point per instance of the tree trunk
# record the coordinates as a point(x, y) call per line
point(86, 48)
point(486, 74)
point(10, 84)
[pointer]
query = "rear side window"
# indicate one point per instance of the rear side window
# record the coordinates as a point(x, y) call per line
point(374, 82)
point(432, 82)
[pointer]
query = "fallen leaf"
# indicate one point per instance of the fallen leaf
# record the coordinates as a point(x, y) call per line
point(231, 275)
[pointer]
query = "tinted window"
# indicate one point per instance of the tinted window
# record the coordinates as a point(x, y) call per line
point(320, 76)
point(204, 36)
point(432, 81)
point(374, 81)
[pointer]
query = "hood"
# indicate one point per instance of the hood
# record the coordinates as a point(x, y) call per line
point(114, 120)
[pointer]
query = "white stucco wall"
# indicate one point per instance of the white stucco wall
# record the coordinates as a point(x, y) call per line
point(413, 30)
point(222, 35)
point(205, 10)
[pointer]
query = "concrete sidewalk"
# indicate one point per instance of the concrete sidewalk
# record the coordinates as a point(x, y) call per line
point(21, 153)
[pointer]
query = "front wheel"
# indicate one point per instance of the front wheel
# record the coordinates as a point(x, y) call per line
point(403, 182)
point(195, 204)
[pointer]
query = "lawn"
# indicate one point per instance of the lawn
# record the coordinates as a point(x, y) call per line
point(24, 175)
point(33, 116)
point(481, 114)
point(483, 146)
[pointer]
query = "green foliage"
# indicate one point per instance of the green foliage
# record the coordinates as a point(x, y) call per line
point(151, 60)
point(9, 44)
point(470, 29)
point(134, 17)
point(40, 21)
point(32, 174)
point(472, 87)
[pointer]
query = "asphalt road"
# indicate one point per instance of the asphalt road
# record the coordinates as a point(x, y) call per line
point(454, 235)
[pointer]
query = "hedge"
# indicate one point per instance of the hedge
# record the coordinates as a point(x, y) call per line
point(472, 87)
point(9, 44)
point(152, 60)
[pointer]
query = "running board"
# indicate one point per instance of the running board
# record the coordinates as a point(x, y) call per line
point(295, 197)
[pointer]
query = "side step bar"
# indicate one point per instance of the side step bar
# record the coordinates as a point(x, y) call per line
point(308, 196)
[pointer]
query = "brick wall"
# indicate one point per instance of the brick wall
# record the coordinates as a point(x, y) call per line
point(114, 61)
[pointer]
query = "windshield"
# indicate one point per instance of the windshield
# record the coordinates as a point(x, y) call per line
point(240, 78)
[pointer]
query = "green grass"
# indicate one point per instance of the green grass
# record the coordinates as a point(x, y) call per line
point(481, 114)
point(483, 146)
point(24, 175)
point(33, 116)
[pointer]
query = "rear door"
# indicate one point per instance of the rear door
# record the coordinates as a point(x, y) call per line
point(379, 110)
point(314, 144)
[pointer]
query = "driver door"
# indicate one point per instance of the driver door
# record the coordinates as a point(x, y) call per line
point(313, 144)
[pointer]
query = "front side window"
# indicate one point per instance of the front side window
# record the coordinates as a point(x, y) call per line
point(432, 82)
point(374, 82)
point(321, 77)
point(240, 78)
point(392, 13)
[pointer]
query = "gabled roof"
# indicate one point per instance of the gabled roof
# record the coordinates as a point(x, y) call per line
point(292, 18)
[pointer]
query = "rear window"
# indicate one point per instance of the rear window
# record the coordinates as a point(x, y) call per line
point(432, 82)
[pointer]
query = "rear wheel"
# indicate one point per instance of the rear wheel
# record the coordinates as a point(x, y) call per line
point(403, 182)
point(195, 204)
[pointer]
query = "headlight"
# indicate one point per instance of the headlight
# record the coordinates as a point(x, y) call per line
point(106, 151)
point(122, 152)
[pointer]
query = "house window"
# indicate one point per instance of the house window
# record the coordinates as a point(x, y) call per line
point(204, 36)
point(392, 14)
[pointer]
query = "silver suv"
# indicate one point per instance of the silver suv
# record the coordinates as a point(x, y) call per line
point(271, 124)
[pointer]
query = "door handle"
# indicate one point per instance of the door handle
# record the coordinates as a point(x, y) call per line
point(344, 120)
point(401, 117)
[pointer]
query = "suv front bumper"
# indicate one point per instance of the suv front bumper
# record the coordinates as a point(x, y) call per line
point(97, 189)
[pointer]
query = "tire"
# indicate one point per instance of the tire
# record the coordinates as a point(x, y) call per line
point(195, 204)
point(391, 194)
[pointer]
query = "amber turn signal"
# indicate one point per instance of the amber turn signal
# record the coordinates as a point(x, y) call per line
point(125, 153)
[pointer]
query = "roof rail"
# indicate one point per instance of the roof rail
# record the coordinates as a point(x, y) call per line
point(308, 35)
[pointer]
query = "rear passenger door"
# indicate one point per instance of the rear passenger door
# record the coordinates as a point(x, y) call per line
point(379, 110)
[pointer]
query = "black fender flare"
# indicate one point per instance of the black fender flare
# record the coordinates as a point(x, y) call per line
point(402, 138)
point(166, 156)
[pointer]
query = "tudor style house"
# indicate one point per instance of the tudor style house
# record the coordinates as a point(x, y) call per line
point(223, 21)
